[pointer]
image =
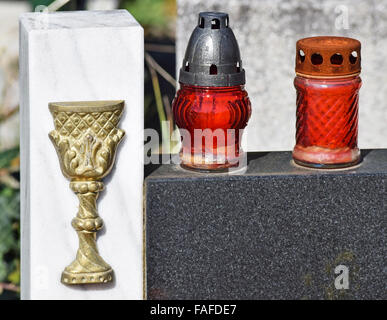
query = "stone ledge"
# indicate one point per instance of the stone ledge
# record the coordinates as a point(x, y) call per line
point(275, 232)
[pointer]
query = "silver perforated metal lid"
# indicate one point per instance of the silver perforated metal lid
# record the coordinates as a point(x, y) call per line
point(212, 57)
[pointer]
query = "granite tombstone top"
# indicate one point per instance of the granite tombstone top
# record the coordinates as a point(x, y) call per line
point(277, 231)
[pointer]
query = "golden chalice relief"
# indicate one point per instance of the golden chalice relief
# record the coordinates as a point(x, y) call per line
point(86, 138)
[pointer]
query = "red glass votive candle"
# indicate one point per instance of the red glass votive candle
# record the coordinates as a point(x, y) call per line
point(213, 117)
point(327, 85)
point(212, 107)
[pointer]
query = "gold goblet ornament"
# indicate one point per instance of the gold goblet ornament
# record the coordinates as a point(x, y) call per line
point(86, 139)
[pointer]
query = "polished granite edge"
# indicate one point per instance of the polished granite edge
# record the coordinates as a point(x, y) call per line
point(274, 163)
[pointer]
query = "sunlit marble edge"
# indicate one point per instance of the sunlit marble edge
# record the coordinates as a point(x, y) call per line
point(78, 20)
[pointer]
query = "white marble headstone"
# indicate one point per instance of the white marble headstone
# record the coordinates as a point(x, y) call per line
point(80, 56)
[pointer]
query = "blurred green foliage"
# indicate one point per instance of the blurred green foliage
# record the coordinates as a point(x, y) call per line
point(7, 157)
point(36, 3)
point(156, 16)
point(72, 5)
point(147, 12)
point(9, 221)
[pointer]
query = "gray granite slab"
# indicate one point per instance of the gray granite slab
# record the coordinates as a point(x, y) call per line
point(275, 232)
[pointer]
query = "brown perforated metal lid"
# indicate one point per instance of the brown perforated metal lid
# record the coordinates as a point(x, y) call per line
point(325, 57)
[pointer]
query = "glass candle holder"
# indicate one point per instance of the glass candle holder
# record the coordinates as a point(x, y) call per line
point(327, 85)
point(212, 108)
point(213, 118)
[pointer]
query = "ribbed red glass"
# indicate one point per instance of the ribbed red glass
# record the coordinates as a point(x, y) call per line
point(217, 109)
point(327, 121)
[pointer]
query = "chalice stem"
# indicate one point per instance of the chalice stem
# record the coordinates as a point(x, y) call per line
point(88, 266)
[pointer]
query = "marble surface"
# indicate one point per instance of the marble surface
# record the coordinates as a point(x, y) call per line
point(267, 31)
point(78, 56)
point(78, 20)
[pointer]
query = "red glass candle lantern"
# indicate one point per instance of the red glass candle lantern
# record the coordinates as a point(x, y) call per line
point(327, 85)
point(212, 107)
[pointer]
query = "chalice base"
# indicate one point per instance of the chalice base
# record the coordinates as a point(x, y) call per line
point(87, 277)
